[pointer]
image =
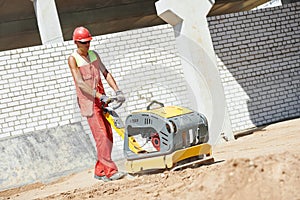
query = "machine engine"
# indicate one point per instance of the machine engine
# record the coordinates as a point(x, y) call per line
point(164, 130)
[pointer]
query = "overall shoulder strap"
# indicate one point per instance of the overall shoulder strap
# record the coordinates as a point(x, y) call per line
point(92, 55)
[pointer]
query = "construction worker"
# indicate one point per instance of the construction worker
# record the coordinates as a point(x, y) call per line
point(85, 66)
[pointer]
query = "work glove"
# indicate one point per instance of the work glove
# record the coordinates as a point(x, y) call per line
point(120, 96)
point(105, 99)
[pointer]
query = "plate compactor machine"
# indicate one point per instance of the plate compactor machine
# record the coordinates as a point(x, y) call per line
point(164, 137)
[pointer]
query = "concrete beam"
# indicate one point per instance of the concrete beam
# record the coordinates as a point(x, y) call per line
point(48, 21)
point(199, 62)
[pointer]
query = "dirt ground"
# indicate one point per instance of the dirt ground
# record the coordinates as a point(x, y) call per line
point(261, 165)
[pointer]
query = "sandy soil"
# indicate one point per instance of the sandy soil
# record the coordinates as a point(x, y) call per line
point(262, 165)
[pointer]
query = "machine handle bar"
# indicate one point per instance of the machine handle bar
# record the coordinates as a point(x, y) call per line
point(114, 99)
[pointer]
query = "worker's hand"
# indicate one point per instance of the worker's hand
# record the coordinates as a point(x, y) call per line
point(105, 99)
point(120, 96)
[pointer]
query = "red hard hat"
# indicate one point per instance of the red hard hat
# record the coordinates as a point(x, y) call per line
point(81, 34)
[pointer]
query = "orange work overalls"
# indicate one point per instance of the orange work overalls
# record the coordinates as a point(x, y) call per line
point(92, 109)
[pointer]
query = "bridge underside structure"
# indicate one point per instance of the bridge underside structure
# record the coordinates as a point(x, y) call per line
point(19, 26)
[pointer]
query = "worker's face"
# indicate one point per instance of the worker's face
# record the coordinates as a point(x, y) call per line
point(83, 45)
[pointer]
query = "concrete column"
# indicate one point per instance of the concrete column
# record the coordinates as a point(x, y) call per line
point(199, 62)
point(48, 21)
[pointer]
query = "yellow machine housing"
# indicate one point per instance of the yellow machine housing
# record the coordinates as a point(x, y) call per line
point(164, 138)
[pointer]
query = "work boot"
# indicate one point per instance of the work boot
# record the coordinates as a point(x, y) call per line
point(102, 178)
point(117, 175)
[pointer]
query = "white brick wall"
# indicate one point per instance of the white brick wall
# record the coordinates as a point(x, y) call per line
point(259, 58)
point(37, 90)
point(258, 54)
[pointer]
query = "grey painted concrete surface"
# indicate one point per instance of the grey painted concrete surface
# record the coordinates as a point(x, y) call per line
point(42, 156)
